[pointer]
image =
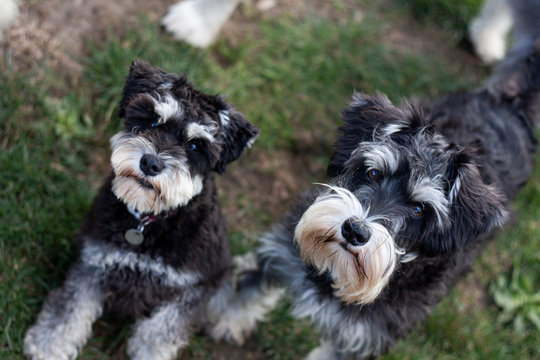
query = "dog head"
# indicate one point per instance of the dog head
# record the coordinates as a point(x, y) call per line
point(173, 136)
point(397, 190)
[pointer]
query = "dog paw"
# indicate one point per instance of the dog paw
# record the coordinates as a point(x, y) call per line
point(325, 351)
point(139, 349)
point(10, 11)
point(198, 22)
point(150, 341)
point(39, 346)
point(241, 318)
point(490, 47)
point(231, 331)
point(488, 31)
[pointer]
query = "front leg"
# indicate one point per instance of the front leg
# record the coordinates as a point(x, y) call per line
point(166, 331)
point(325, 351)
point(355, 348)
point(65, 322)
point(234, 312)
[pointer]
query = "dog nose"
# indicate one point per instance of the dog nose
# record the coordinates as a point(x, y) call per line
point(151, 165)
point(355, 232)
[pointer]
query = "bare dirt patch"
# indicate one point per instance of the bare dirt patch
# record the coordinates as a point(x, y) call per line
point(269, 183)
point(56, 31)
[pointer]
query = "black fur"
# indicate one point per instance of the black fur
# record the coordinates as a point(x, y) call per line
point(481, 146)
point(137, 109)
point(169, 280)
point(193, 239)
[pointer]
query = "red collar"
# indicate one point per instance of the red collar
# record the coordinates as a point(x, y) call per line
point(145, 219)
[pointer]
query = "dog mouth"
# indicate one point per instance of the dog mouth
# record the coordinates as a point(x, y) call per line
point(144, 183)
point(351, 249)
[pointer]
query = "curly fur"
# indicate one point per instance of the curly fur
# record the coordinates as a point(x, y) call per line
point(173, 138)
point(413, 193)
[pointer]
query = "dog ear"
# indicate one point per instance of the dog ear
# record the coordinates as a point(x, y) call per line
point(475, 207)
point(143, 78)
point(362, 119)
point(237, 134)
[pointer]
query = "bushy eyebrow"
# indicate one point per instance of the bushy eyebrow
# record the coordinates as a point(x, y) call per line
point(199, 131)
point(429, 191)
point(166, 107)
point(378, 156)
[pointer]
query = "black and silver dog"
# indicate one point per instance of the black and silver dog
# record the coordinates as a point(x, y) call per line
point(413, 193)
point(154, 246)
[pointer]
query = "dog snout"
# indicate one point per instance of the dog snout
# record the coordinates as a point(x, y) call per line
point(355, 232)
point(151, 165)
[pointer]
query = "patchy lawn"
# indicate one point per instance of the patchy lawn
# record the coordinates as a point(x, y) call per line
point(290, 70)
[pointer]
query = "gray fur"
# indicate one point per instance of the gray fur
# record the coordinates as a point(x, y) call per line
point(449, 185)
point(162, 185)
point(65, 323)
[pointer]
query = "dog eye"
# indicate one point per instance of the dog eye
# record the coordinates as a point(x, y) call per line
point(374, 174)
point(417, 210)
point(194, 146)
point(154, 124)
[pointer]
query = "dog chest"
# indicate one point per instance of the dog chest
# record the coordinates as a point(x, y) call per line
point(134, 283)
point(133, 293)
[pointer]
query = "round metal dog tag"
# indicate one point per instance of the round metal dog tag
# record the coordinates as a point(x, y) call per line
point(134, 236)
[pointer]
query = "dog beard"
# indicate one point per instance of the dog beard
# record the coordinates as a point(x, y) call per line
point(171, 188)
point(359, 273)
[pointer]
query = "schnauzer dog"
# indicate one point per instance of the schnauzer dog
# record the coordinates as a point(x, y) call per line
point(413, 193)
point(154, 246)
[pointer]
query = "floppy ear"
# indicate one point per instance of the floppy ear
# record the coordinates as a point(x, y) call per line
point(475, 207)
point(363, 118)
point(143, 78)
point(237, 134)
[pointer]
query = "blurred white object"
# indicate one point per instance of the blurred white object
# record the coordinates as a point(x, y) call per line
point(9, 10)
point(198, 22)
point(265, 5)
point(488, 31)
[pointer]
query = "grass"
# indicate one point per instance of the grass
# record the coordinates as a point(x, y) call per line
point(291, 78)
point(454, 16)
point(38, 220)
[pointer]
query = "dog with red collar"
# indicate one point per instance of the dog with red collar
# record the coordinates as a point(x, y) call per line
point(154, 245)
